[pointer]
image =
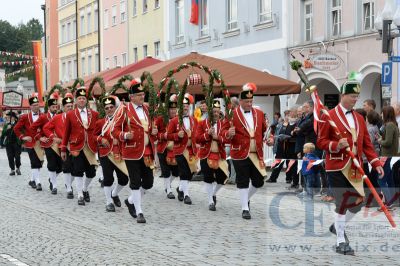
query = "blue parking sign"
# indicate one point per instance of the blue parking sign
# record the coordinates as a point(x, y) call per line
point(386, 78)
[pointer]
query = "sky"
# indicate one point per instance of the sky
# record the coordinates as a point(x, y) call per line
point(16, 11)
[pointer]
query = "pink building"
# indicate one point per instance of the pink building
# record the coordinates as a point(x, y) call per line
point(114, 37)
point(337, 37)
point(51, 29)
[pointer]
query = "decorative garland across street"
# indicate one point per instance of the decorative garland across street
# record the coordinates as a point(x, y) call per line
point(214, 76)
point(120, 84)
point(163, 108)
point(149, 88)
point(77, 82)
point(99, 106)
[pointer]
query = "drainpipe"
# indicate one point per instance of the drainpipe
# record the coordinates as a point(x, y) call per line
point(43, 7)
point(76, 39)
point(98, 34)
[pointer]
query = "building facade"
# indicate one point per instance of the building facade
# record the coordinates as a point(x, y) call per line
point(51, 44)
point(251, 33)
point(334, 38)
point(88, 37)
point(114, 36)
point(147, 29)
point(67, 47)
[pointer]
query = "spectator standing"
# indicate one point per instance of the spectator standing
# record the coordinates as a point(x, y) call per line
point(12, 143)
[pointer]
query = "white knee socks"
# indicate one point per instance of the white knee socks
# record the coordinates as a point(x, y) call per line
point(252, 190)
point(86, 183)
point(216, 188)
point(53, 179)
point(107, 192)
point(244, 198)
point(184, 186)
point(136, 198)
point(68, 181)
point(36, 175)
point(117, 189)
point(79, 185)
point(340, 223)
point(210, 192)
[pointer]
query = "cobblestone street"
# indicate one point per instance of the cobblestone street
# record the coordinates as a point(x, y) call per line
point(38, 228)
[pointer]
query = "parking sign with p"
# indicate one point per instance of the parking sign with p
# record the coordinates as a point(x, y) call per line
point(386, 79)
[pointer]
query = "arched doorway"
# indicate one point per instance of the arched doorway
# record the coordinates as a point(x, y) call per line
point(371, 84)
point(328, 89)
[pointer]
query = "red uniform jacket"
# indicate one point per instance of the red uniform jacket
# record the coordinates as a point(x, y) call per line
point(133, 149)
point(55, 127)
point(37, 127)
point(161, 136)
point(180, 144)
point(103, 150)
point(203, 139)
point(327, 140)
point(76, 135)
point(23, 128)
point(240, 143)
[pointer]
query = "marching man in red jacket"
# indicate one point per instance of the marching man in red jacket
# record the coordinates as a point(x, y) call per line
point(212, 154)
point(54, 162)
point(246, 135)
point(136, 134)
point(166, 156)
point(54, 130)
point(24, 132)
point(345, 180)
point(79, 135)
point(184, 148)
point(110, 153)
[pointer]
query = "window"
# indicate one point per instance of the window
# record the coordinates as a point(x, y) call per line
point(124, 62)
point(336, 17)
point(83, 61)
point(135, 54)
point(89, 20)
point(106, 19)
point(82, 25)
point(64, 71)
point(96, 20)
point(179, 16)
point(156, 3)
point(368, 15)
point(74, 29)
point(265, 11)
point(232, 15)
point(134, 8)
point(69, 74)
point(89, 63)
point(145, 51)
point(69, 37)
point(123, 11)
point(96, 62)
point(115, 61)
point(114, 16)
point(157, 49)
point(308, 20)
point(63, 34)
point(74, 76)
point(203, 18)
point(145, 6)
point(107, 63)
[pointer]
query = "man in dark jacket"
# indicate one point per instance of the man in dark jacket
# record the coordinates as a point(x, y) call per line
point(12, 143)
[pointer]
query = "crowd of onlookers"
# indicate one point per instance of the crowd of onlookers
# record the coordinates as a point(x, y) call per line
point(293, 140)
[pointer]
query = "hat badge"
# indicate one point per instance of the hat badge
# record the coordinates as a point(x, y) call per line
point(34, 100)
point(249, 94)
point(82, 92)
point(216, 104)
point(68, 100)
point(108, 101)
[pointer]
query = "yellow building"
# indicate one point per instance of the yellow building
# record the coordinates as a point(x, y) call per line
point(88, 37)
point(67, 40)
point(146, 29)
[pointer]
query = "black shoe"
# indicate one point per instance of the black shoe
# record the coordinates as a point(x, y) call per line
point(32, 184)
point(344, 249)
point(332, 229)
point(54, 191)
point(180, 194)
point(246, 215)
point(12, 172)
point(70, 195)
point(131, 208)
point(288, 181)
point(110, 208)
point(18, 171)
point(187, 200)
point(211, 207)
point(81, 201)
point(215, 200)
point(269, 180)
point(51, 185)
point(171, 195)
point(39, 187)
point(140, 219)
point(86, 196)
point(116, 201)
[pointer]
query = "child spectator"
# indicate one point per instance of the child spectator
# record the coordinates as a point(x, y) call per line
point(310, 172)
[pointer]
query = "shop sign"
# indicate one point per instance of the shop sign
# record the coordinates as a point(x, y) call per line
point(325, 61)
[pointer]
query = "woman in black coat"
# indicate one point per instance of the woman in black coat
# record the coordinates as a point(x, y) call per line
point(12, 143)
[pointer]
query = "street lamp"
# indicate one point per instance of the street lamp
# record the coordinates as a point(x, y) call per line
point(383, 23)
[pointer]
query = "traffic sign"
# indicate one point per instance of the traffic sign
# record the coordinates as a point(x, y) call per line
point(386, 79)
point(395, 59)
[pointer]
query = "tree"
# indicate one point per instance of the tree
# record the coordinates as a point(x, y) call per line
point(18, 39)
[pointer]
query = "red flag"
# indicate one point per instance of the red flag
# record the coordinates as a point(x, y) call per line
point(291, 163)
point(310, 164)
point(194, 17)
